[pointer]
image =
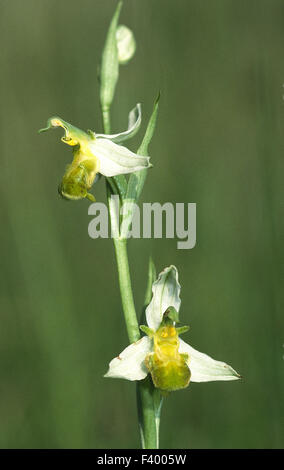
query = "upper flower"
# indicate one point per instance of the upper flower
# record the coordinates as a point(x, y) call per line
point(97, 153)
point(126, 44)
point(171, 362)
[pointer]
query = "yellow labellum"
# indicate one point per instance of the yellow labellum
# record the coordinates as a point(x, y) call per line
point(168, 368)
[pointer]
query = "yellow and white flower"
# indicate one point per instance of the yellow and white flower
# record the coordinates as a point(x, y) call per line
point(172, 362)
point(97, 154)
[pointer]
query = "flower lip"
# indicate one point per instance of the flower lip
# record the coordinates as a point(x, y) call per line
point(67, 194)
point(61, 192)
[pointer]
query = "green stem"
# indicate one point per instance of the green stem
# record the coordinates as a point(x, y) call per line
point(145, 390)
point(106, 120)
point(146, 414)
point(126, 290)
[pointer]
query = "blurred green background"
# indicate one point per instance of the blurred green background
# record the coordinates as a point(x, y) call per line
point(219, 143)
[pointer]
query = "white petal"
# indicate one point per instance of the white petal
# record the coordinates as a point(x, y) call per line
point(115, 159)
point(205, 369)
point(134, 122)
point(166, 292)
point(129, 364)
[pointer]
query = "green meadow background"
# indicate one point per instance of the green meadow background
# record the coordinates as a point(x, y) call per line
point(219, 143)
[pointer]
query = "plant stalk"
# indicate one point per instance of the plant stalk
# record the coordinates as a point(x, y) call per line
point(126, 290)
point(106, 120)
point(145, 390)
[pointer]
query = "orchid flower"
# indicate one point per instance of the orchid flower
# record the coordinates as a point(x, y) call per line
point(172, 362)
point(97, 154)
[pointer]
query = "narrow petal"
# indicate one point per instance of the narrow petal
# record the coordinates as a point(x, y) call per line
point(166, 292)
point(134, 122)
point(129, 364)
point(205, 369)
point(115, 159)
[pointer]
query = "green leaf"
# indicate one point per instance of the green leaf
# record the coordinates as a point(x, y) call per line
point(110, 66)
point(137, 179)
point(121, 184)
point(143, 149)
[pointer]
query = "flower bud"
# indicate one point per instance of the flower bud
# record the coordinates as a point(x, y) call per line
point(126, 44)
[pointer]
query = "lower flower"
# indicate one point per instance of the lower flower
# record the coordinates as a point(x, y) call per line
point(172, 362)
